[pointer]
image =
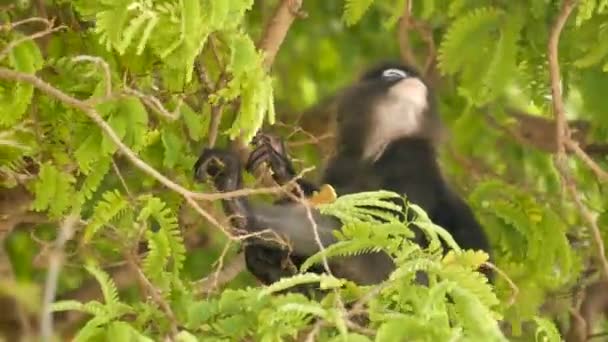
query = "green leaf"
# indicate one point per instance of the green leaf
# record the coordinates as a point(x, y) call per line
point(15, 97)
point(354, 10)
point(90, 149)
point(456, 49)
point(197, 125)
point(173, 147)
point(111, 206)
point(54, 191)
point(121, 331)
point(108, 288)
point(300, 279)
point(546, 331)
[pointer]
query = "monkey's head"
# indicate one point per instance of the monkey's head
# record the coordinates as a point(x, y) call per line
point(388, 103)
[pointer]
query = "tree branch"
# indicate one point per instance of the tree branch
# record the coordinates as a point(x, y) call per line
point(405, 48)
point(599, 172)
point(276, 29)
point(554, 73)
point(48, 30)
point(563, 136)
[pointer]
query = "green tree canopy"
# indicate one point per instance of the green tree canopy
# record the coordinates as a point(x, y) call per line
point(106, 105)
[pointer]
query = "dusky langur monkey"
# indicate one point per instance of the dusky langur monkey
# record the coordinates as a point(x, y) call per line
point(387, 129)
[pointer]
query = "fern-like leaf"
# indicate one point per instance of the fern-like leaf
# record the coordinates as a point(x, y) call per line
point(54, 191)
point(546, 330)
point(108, 288)
point(456, 47)
point(475, 317)
point(300, 279)
point(112, 204)
point(354, 10)
point(343, 249)
point(596, 52)
point(164, 243)
point(15, 97)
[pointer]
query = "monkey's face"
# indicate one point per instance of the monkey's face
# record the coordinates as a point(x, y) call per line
point(390, 102)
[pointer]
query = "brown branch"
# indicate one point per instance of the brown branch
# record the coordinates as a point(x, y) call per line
point(155, 105)
point(224, 274)
point(510, 282)
point(276, 29)
point(405, 48)
point(593, 304)
point(563, 137)
point(599, 172)
point(554, 73)
point(154, 293)
point(48, 30)
point(564, 141)
point(104, 65)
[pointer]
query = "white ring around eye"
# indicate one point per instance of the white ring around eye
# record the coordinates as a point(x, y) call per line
point(394, 73)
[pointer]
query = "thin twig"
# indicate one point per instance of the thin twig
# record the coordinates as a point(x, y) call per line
point(104, 65)
point(514, 288)
point(599, 172)
point(595, 230)
point(154, 103)
point(50, 287)
point(15, 24)
point(316, 328)
point(121, 178)
point(155, 293)
point(315, 230)
point(224, 273)
point(36, 35)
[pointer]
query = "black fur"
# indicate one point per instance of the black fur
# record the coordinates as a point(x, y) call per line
point(407, 165)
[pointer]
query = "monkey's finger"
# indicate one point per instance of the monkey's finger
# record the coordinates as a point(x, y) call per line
point(282, 170)
point(277, 145)
point(259, 138)
point(257, 157)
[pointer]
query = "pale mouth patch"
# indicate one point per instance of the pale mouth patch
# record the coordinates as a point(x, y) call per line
point(399, 114)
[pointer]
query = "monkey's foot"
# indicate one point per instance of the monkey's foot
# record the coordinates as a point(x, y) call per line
point(271, 150)
point(221, 166)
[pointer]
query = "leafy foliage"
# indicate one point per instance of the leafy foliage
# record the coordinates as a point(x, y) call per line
point(170, 76)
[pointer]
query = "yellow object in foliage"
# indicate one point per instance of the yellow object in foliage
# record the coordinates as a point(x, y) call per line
point(325, 195)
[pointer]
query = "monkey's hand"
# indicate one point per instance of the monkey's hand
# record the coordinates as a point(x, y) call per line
point(271, 150)
point(223, 167)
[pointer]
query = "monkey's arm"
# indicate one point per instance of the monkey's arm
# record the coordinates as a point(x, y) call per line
point(291, 221)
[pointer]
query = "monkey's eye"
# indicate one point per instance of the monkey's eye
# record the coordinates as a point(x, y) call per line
point(393, 74)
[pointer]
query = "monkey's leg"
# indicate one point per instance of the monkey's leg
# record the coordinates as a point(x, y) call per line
point(271, 150)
